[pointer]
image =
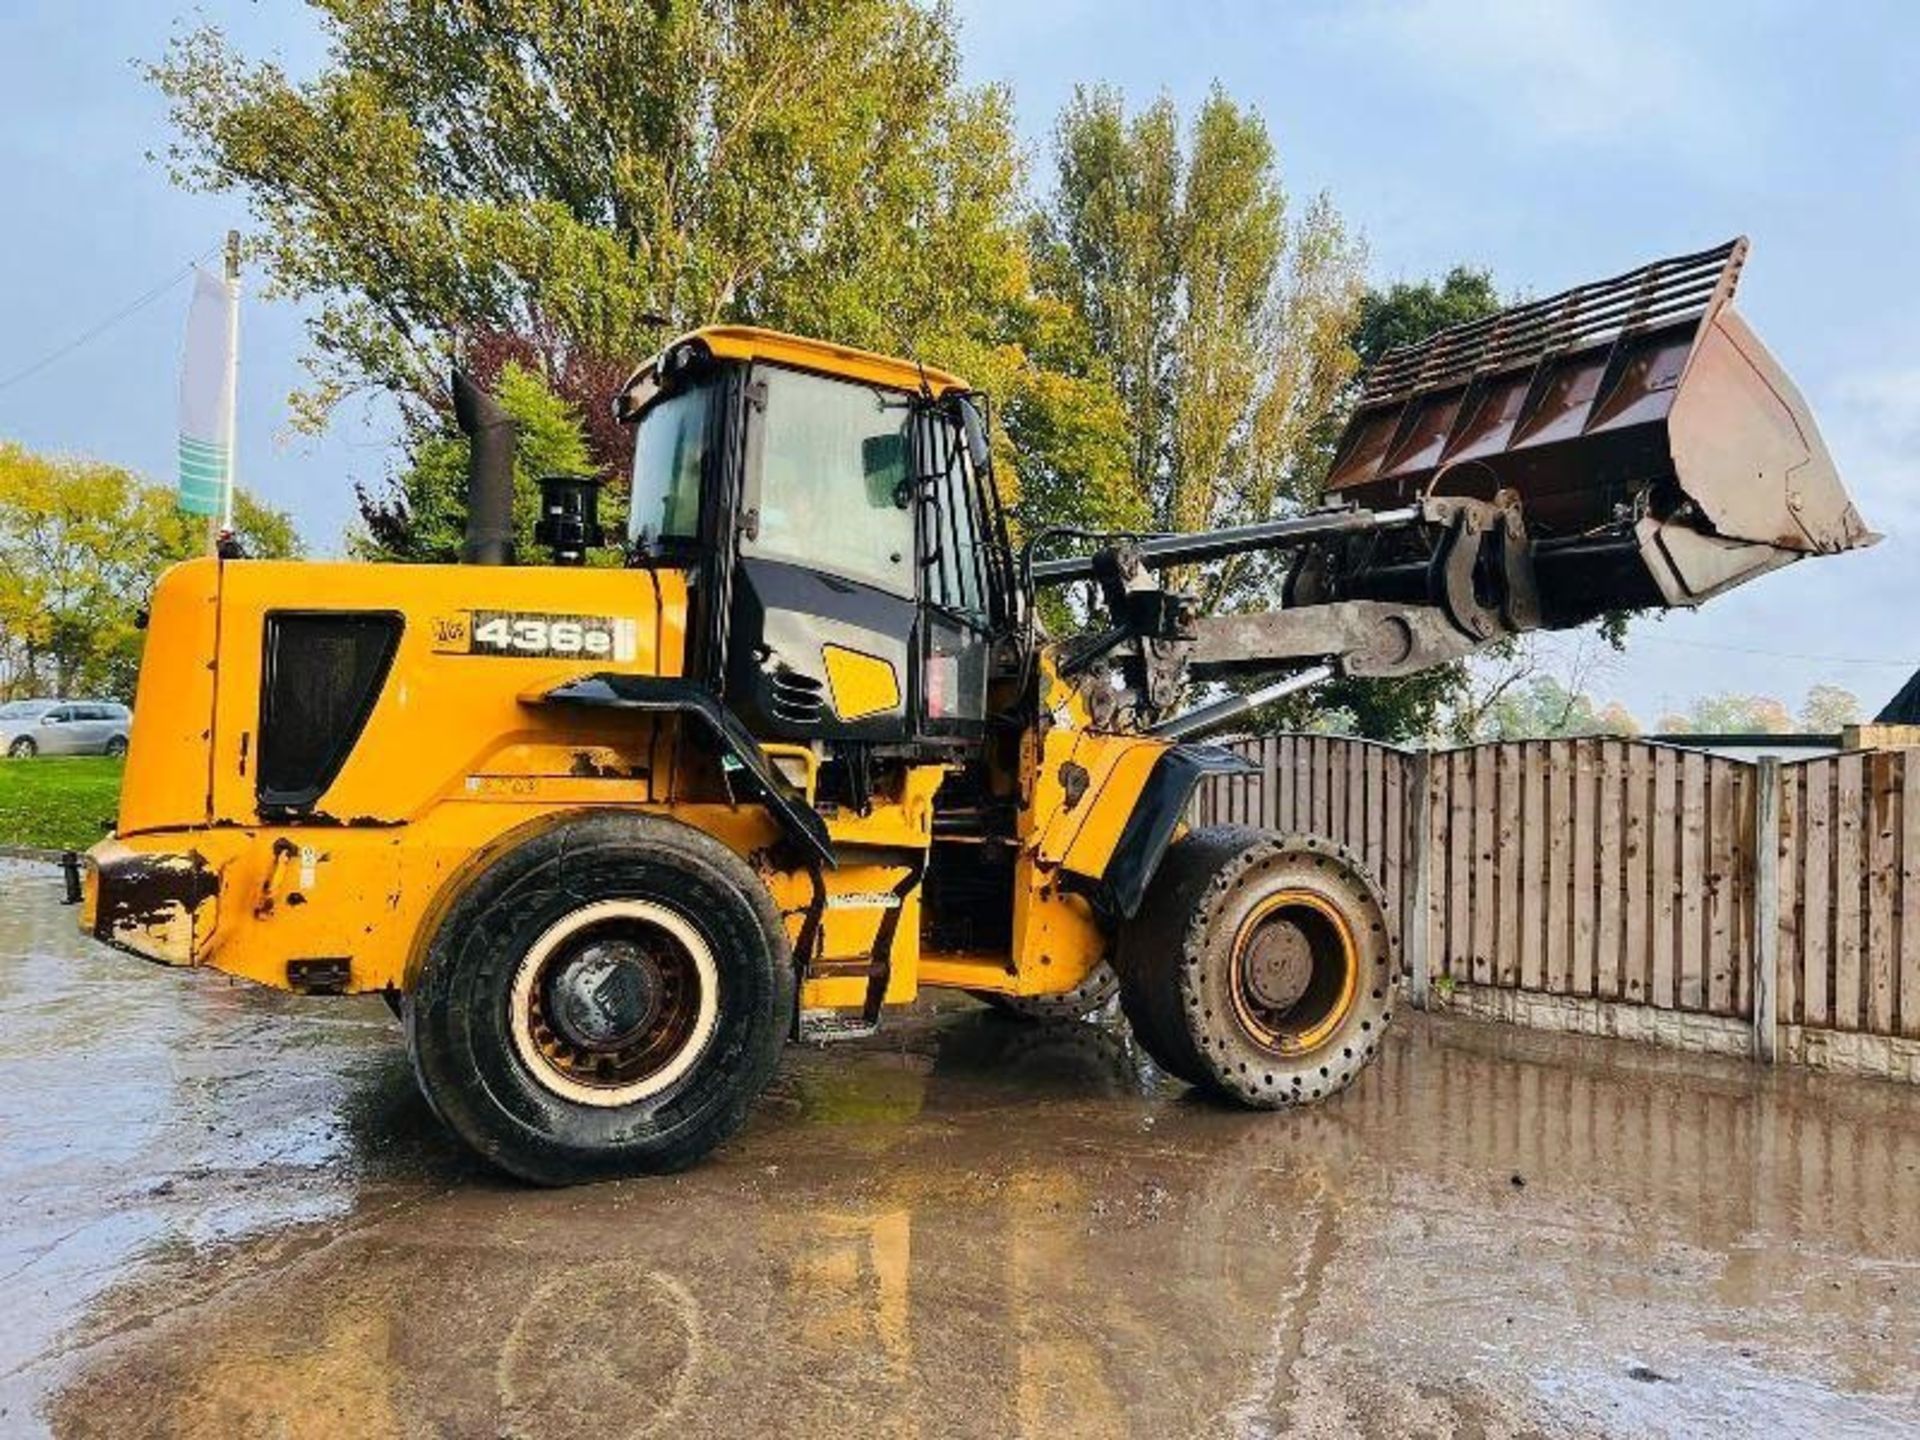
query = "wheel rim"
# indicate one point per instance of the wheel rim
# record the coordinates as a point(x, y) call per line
point(21, 748)
point(614, 1002)
point(1295, 972)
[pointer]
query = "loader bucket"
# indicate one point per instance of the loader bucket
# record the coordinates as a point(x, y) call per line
point(1659, 452)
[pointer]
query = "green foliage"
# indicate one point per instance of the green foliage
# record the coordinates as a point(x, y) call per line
point(1406, 313)
point(423, 515)
point(1542, 707)
point(58, 802)
point(586, 178)
point(1223, 323)
point(81, 544)
point(1825, 710)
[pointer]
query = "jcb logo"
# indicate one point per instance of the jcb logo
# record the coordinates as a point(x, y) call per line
point(540, 636)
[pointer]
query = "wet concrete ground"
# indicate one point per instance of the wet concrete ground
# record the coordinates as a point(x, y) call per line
point(227, 1211)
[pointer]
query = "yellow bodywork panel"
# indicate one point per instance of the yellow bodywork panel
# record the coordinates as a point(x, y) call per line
point(863, 685)
point(174, 717)
point(449, 717)
point(1085, 794)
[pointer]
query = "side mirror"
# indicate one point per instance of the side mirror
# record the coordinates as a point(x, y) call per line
point(50, 718)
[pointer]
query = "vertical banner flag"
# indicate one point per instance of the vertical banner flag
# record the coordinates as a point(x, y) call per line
point(206, 397)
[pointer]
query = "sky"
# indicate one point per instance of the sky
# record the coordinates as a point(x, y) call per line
point(1550, 141)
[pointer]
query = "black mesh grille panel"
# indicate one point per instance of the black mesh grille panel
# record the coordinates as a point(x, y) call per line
point(322, 674)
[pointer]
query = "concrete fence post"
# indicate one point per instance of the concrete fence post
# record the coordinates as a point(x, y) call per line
point(1416, 922)
point(1766, 910)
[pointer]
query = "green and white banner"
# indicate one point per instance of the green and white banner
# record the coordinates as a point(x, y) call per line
point(206, 397)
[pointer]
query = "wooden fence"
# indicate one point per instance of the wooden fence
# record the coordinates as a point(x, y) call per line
point(1620, 871)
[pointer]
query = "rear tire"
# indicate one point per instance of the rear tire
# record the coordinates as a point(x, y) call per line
point(1260, 968)
point(117, 748)
point(1094, 992)
point(23, 748)
point(607, 998)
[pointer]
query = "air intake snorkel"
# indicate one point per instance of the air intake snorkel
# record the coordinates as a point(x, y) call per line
point(490, 432)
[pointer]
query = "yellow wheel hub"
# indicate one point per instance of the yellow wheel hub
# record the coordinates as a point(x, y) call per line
point(1295, 972)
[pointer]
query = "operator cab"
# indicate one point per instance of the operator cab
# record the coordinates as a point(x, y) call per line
point(835, 510)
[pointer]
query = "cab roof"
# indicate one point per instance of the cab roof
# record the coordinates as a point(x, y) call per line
point(750, 342)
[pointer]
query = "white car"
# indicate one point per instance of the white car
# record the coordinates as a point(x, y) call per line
point(63, 727)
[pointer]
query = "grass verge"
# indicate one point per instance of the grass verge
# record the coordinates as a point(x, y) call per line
point(63, 802)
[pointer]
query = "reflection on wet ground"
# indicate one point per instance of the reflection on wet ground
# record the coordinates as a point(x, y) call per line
point(229, 1211)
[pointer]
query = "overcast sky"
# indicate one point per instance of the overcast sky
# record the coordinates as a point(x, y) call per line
point(1550, 142)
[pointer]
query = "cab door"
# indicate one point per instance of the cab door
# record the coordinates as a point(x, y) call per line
point(823, 613)
point(959, 576)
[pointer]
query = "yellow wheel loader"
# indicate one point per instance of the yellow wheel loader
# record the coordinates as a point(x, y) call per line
point(607, 837)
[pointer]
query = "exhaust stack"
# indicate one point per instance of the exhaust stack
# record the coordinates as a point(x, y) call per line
point(1659, 452)
point(490, 432)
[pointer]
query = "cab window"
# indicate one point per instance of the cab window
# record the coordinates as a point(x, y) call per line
point(833, 490)
point(668, 452)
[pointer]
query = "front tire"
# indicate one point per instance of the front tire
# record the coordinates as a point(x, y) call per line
point(23, 748)
point(607, 998)
point(1261, 968)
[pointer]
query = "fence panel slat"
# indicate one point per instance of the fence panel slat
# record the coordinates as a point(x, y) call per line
point(1393, 857)
point(1354, 826)
point(1485, 848)
point(1792, 840)
point(1848, 853)
point(1459, 953)
point(1506, 957)
point(1664, 824)
point(1559, 867)
point(1533, 835)
point(1722, 834)
point(1817, 885)
point(1693, 881)
point(1610, 814)
point(1636, 910)
point(1746, 861)
point(1882, 877)
point(1584, 878)
point(1436, 801)
point(1907, 937)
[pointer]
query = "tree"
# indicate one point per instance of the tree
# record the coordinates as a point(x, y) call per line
point(1405, 313)
point(1545, 708)
point(1223, 322)
point(566, 183)
point(1828, 709)
point(1731, 714)
point(81, 544)
point(1421, 705)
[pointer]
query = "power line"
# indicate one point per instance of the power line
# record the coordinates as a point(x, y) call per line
point(102, 326)
point(1777, 654)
